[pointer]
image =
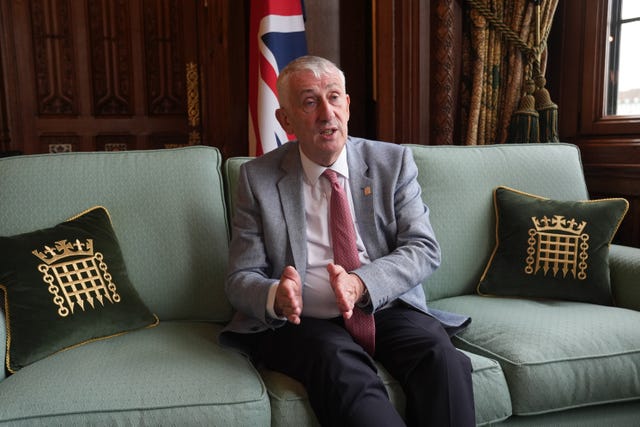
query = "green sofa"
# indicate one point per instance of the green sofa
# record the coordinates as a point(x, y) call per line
point(535, 362)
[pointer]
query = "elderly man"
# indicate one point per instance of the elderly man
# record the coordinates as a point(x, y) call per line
point(326, 268)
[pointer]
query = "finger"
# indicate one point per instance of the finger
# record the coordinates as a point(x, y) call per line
point(288, 301)
point(290, 280)
point(291, 273)
point(294, 319)
point(291, 299)
point(291, 294)
point(291, 311)
point(335, 271)
point(345, 307)
point(289, 290)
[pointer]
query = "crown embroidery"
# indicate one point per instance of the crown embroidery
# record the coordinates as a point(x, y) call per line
point(76, 275)
point(557, 244)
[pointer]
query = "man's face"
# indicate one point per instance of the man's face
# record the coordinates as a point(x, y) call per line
point(316, 110)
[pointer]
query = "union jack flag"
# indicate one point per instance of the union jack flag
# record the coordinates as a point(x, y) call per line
point(276, 38)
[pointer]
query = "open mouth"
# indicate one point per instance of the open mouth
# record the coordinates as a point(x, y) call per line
point(328, 132)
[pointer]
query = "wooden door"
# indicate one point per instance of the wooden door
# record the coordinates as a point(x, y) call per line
point(85, 75)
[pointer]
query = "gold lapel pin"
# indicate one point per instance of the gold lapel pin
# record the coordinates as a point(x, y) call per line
point(367, 191)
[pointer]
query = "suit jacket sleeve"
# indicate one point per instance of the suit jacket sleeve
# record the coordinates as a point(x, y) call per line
point(250, 271)
point(399, 237)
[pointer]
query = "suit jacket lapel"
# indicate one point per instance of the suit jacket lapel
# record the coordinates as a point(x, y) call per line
point(292, 200)
point(362, 192)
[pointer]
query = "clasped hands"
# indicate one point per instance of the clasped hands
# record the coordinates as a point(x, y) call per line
point(347, 287)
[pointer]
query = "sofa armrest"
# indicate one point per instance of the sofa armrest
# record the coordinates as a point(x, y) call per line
point(624, 262)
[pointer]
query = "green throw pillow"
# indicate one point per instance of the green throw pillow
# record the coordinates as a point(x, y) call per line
point(65, 286)
point(552, 249)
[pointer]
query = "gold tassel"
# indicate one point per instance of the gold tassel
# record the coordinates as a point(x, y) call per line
point(524, 121)
point(547, 110)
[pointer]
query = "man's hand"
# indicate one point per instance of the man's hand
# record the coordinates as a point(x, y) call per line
point(347, 287)
point(288, 301)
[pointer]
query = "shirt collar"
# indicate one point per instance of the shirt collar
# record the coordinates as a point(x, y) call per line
point(312, 170)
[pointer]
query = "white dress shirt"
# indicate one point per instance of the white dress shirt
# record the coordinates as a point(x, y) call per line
point(318, 298)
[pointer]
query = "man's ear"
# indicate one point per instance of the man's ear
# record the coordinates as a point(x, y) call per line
point(283, 119)
point(348, 106)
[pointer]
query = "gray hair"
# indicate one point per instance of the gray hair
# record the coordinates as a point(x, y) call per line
point(317, 65)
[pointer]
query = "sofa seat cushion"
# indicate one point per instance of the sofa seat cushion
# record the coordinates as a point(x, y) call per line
point(555, 354)
point(173, 374)
point(290, 405)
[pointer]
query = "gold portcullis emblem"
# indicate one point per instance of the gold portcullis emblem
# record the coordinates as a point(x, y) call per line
point(76, 276)
point(557, 244)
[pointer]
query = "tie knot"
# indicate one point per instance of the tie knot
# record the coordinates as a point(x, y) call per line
point(331, 175)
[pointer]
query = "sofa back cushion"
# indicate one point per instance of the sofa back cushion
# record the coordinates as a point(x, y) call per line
point(457, 184)
point(167, 208)
point(231, 171)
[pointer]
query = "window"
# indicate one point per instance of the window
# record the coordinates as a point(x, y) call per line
point(623, 86)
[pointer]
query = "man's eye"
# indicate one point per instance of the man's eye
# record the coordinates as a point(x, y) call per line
point(335, 99)
point(309, 104)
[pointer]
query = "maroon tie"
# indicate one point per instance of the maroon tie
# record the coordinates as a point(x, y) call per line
point(361, 325)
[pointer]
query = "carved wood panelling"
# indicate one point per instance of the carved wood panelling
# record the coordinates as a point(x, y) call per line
point(59, 143)
point(442, 71)
point(164, 60)
point(53, 57)
point(167, 140)
point(116, 142)
point(111, 66)
point(5, 138)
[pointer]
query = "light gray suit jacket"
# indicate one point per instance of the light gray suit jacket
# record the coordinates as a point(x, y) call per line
point(269, 230)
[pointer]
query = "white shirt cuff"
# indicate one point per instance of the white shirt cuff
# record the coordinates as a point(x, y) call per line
point(271, 300)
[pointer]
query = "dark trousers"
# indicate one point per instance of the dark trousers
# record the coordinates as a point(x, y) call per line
point(342, 382)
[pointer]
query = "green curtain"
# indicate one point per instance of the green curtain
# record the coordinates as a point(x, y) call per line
point(503, 58)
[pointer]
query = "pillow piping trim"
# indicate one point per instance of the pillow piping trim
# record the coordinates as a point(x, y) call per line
point(7, 359)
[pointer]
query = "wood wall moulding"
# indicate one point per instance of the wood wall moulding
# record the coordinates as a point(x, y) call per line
point(619, 181)
point(114, 142)
point(111, 57)
point(54, 59)
point(224, 58)
point(164, 60)
point(614, 182)
point(355, 54)
point(417, 63)
point(611, 152)
point(5, 138)
point(60, 143)
point(167, 140)
point(401, 85)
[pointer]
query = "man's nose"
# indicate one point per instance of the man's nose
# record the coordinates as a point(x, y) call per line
point(325, 110)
